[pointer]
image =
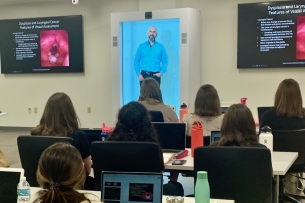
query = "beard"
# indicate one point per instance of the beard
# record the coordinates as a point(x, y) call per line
point(151, 38)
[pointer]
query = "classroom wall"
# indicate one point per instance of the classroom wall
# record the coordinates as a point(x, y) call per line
point(92, 88)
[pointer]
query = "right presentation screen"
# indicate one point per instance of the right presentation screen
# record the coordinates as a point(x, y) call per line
point(271, 35)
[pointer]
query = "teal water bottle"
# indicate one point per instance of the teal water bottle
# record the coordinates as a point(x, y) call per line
point(202, 188)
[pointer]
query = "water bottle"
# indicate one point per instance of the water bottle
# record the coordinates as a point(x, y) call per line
point(105, 132)
point(202, 188)
point(243, 100)
point(266, 138)
point(23, 191)
point(183, 110)
point(196, 136)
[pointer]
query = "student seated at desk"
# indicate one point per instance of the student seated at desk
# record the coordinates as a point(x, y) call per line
point(60, 173)
point(238, 128)
point(207, 111)
point(288, 112)
point(60, 119)
point(151, 98)
point(134, 124)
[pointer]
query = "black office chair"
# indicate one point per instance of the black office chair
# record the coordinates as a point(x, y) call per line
point(291, 141)
point(124, 157)
point(261, 110)
point(243, 174)
point(156, 116)
point(30, 148)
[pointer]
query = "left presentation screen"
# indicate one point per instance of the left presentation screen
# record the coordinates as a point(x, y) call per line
point(42, 45)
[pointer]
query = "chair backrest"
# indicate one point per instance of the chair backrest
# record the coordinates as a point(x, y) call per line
point(30, 148)
point(156, 116)
point(261, 110)
point(124, 157)
point(291, 141)
point(243, 174)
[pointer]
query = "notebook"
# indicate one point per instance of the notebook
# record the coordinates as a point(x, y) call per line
point(171, 136)
point(9, 179)
point(131, 187)
point(215, 136)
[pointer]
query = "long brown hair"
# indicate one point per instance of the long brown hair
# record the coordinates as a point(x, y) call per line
point(207, 102)
point(59, 117)
point(60, 172)
point(288, 99)
point(238, 127)
point(150, 91)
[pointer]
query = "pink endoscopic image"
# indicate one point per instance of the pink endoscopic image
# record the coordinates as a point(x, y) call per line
point(300, 42)
point(54, 48)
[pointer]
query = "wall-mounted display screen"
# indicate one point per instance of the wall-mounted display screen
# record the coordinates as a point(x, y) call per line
point(271, 35)
point(42, 45)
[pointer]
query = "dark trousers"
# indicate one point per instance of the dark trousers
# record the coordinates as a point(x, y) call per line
point(147, 74)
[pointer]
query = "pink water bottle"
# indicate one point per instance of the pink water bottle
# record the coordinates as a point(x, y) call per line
point(105, 132)
point(243, 100)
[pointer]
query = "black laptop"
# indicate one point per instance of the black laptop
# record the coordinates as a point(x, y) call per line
point(171, 136)
point(215, 136)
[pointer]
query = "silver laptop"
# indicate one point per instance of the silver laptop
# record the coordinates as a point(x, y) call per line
point(9, 179)
point(171, 136)
point(215, 136)
point(128, 187)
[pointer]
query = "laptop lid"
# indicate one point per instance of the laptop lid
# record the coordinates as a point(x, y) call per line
point(9, 179)
point(131, 187)
point(215, 136)
point(261, 110)
point(171, 136)
point(223, 109)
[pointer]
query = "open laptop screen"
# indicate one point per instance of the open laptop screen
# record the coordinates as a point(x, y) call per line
point(131, 187)
point(215, 136)
point(171, 135)
point(9, 179)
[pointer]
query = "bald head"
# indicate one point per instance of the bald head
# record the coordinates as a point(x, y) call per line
point(152, 34)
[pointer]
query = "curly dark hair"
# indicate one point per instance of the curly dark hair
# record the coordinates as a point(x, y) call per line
point(133, 125)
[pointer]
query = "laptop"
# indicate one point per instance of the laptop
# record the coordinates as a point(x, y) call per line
point(9, 179)
point(223, 109)
point(171, 136)
point(215, 136)
point(261, 110)
point(131, 187)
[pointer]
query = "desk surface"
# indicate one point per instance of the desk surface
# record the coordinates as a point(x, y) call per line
point(281, 162)
point(96, 195)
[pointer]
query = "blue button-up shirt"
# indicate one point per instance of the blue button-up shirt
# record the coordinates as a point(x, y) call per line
point(151, 58)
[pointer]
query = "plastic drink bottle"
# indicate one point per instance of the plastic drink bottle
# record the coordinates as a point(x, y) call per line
point(23, 191)
point(196, 135)
point(243, 100)
point(105, 132)
point(183, 110)
point(202, 188)
point(266, 138)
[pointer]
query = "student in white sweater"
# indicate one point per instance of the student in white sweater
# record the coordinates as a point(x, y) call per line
point(207, 111)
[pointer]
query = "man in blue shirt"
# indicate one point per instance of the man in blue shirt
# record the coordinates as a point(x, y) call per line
point(151, 58)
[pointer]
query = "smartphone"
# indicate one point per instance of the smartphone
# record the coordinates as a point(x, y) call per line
point(179, 162)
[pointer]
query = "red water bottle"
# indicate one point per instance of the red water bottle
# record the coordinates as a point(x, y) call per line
point(196, 135)
point(183, 110)
point(243, 100)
